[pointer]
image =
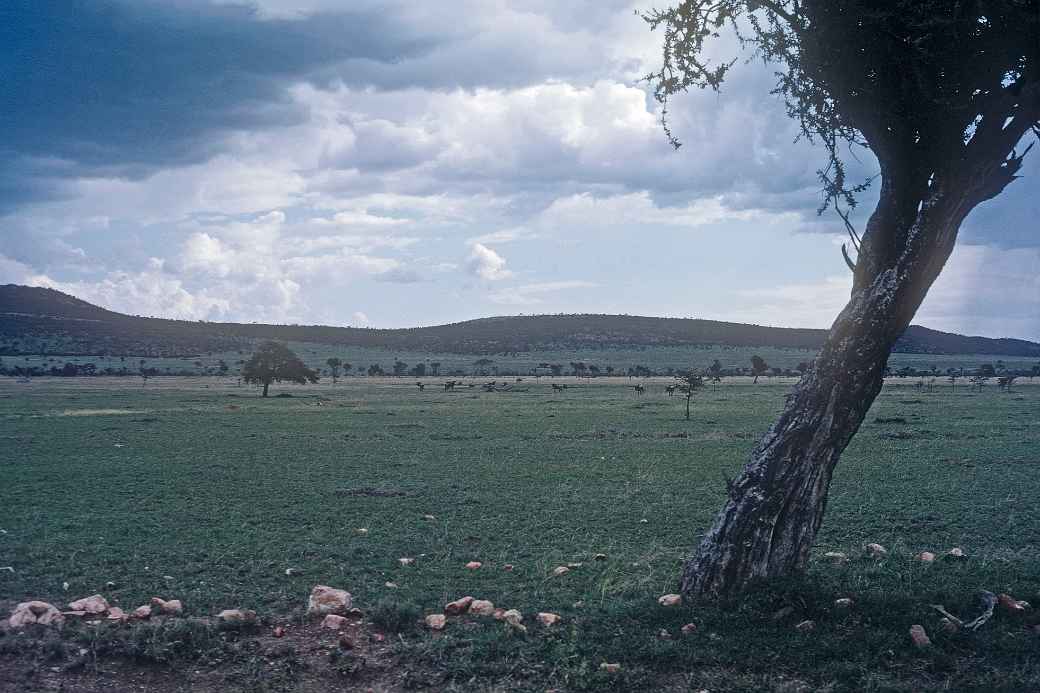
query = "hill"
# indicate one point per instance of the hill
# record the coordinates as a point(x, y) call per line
point(37, 320)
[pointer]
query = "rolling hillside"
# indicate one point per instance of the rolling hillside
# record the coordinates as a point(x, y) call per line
point(44, 321)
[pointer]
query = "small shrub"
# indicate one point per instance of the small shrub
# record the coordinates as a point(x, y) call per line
point(395, 617)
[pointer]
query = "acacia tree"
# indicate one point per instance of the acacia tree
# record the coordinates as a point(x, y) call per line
point(758, 367)
point(334, 363)
point(275, 362)
point(942, 92)
point(689, 383)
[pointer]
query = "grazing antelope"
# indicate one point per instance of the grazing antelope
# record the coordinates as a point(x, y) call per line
point(421, 386)
point(639, 389)
point(558, 388)
point(449, 386)
point(670, 390)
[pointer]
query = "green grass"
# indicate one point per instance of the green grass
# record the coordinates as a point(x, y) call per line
point(206, 493)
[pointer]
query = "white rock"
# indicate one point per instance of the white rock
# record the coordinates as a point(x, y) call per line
point(237, 617)
point(547, 618)
point(481, 607)
point(474, 565)
point(327, 600)
point(39, 612)
point(562, 570)
point(459, 606)
point(436, 621)
point(333, 622)
point(94, 604)
point(670, 600)
point(171, 607)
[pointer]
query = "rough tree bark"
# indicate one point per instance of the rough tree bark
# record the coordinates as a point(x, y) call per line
point(774, 509)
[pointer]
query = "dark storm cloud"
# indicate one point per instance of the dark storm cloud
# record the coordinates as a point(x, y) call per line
point(122, 88)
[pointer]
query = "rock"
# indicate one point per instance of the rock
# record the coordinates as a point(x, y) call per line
point(39, 612)
point(513, 617)
point(377, 637)
point(110, 585)
point(663, 634)
point(508, 566)
point(289, 572)
point(926, 556)
point(547, 618)
point(94, 604)
point(474, 565)
point(499, 614)
point(1010, 604)
point(333, 622)
point(346, 642)
point(173, 607)
point(600, 557)
point(278, 632)
point(949, 626)
point(237, 617)
point(836, 557)
point(806, 626)
point(390, 585)
point(117, 614)
point(429, 518)
point(670, 600)
point(362, 531)
point(689, 629)
point(919, 636)
point(436, 621)
point(406, 561)
point(481, 607)
point(562, 570)
point(876, 550)
point(575, 566)
point(327, 600)
point(610, 668)
point(74, 614)
point(459, 606)
point(843, 603)
point(956, 552)
point(142, 612)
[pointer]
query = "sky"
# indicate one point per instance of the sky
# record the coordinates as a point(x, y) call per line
point(389, 163)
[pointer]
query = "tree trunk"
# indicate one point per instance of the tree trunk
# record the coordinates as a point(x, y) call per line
point(266, 385)
point(767, 526)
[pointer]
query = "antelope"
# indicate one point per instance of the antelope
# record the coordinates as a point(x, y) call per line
point(670, 390)
point(639, 389)
point(421, 386)
point(558, 388)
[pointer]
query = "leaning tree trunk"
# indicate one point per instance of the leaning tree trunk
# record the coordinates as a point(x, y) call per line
point(774, 509)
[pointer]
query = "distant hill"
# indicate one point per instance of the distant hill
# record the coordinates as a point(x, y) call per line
point(36, 320)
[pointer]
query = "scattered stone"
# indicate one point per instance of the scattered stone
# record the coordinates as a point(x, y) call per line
point(1010, 604)
point(237, 617)
point(117, 614)
point(429, 518)
point(74, 614)
point(39, 612)
point(644, 521)
point(547, 618)
point(689, 629)
point(333, 622)
point(459, 606)
point(64, 585)
point(481, 607)
point(663, 634)
point(562, 570)
point(377, 637)
point(278, 632)
point(508, 566)
point(94, 604)
point(600, 557)
point(499, 614)
point(806, 626)
point(575, 566)
point(836, 557)
point(949, 625)
point(926, 556)
point(474, 565)
point(608, 667)
point(876, 550)
point(670, 600)
point(919, 636)
point(436, 621)
point(956, 552)
point(843, 603)
point(514, 618)
point(327, 600)
point(142, 612)
point(110, 585)
point(289, 572)
point(406, 561)
point(390, 585)
point(362, 531)
point(173, 607)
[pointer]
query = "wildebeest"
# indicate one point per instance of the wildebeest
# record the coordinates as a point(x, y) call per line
point(421, 386)
point(558, 388)
point(449, 386)
point(639, 389)
point(670, 390)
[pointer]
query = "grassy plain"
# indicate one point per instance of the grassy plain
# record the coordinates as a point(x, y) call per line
point(198, 489)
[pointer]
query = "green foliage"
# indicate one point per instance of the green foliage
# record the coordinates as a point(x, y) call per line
point(393, 616)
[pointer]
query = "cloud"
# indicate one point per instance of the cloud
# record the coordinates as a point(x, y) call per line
point(485, 263)
point(533, 294)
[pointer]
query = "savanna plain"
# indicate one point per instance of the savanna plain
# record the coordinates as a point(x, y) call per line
point(199, 490)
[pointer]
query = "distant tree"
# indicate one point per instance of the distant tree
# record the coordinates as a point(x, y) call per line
point(688, 383)
point(223, 367)
point(758, 366)
point(274, 362)
point(400, 367)
point(419, 370)
point(346, 368)
point(715, 374)
point(480, 365)
point(987, 370)
point(334, 363)
point(435, 368)
point(556, 369)
point(593, 371)
point(610, 370)
point(1035, 370)
point(578, 367)
point(375, 369)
